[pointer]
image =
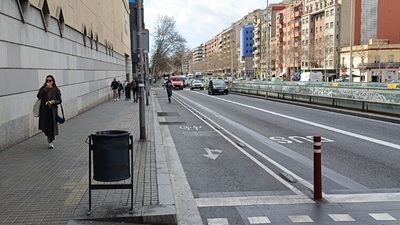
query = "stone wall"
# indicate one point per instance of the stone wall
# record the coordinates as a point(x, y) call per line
point(30, 49)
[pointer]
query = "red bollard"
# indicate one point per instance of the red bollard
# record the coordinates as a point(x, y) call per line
point(317, 168)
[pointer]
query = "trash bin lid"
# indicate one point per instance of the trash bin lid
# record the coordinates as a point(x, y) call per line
point(110, 133)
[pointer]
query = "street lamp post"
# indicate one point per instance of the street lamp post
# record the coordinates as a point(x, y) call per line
point(142, 125)
point(351, 40)
point(379, 63)
point(268, 40)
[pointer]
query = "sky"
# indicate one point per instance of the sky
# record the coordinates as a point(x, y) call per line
point(199, 21)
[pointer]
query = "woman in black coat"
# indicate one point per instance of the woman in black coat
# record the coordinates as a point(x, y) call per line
point(50, 97)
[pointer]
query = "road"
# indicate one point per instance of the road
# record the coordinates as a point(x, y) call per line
point(243, 160)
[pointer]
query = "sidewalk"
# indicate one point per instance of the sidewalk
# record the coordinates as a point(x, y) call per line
point(50, 186)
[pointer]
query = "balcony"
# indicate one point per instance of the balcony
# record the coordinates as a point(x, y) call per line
point(383, 65)
point(296, 34)
point(297, 14)
point(297, 24)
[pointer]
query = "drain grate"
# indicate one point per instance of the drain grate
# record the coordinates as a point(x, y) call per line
point(167, 114)
point(172, 123)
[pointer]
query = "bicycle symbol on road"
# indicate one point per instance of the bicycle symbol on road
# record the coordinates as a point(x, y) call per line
point(190, 127)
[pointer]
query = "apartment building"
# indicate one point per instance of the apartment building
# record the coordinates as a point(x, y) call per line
point(378, 20)
point(325, 28)
point(376, 61)
point(376, 42)
point(288, 40)
point(246, 50)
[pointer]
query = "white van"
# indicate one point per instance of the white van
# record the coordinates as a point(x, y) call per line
point(311, 76)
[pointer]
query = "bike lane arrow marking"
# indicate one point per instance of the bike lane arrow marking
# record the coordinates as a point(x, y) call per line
point(210, 153)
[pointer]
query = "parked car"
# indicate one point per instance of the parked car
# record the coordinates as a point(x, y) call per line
point(217, 86)
point(177, 82)
point(197, 84)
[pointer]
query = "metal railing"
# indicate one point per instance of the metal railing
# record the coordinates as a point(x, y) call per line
point(372, 97)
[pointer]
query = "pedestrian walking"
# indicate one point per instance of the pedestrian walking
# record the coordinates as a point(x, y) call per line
point(114, 88)
point(120, 88)
point(50, 96)
point(168, 87)
point(135, 89)
point(128, 90)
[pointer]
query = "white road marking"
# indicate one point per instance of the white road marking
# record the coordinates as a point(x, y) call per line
point(382, 216)
point(268, 170)
point(342, 198)
point(253, 200)
point(341, 217)
point(301, 219)
point(370, 139)
point(367, 197)
point(218, 221)
point(210, 153)
point(258, 220)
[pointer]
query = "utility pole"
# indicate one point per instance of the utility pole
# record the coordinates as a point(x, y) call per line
point(351, 40)
point(142, 123)
point(268, 40)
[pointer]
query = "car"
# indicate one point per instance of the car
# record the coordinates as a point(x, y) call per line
point(177, 82)
point(197, 84)
point(217, 86)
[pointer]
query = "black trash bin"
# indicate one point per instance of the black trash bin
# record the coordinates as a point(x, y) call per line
point(110, 155)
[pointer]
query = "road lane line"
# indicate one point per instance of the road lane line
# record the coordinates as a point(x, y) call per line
point(370, 139)
point(268, 170)
point(332, 198)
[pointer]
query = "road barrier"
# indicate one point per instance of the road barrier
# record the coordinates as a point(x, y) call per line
point(367, 99)
point(317, 168)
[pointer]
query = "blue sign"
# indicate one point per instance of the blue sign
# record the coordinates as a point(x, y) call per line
point(132, 1)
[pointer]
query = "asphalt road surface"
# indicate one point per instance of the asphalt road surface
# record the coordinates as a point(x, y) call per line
point(242, 160)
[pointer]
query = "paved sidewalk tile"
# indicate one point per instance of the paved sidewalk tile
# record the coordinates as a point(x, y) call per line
point(47, 186)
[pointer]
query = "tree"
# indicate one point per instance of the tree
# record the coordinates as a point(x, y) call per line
point(167, 43)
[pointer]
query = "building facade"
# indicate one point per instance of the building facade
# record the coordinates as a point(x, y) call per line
point(288, 40)
point(246, 50)
point(84, 45)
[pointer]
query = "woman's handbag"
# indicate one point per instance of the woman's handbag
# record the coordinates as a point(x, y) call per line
point(36, 108)
point(60, 119)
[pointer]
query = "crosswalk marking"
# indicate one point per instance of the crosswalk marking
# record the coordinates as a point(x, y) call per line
point(258, 220)
point(252, 200)
point(341, 217)
point(301, 219)
point(218, 221)
point(382, 216)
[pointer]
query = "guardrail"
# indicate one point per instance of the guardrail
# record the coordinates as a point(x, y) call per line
point(382, 100)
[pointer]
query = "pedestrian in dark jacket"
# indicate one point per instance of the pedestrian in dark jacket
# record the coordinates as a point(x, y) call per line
point(168, 86)
point(114, 88)
point(128, 89)
point(50, 96)
point(120, 88)
point(135, 89)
